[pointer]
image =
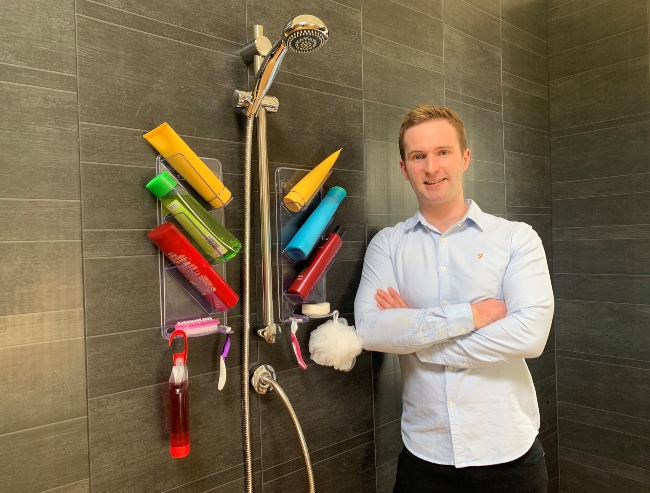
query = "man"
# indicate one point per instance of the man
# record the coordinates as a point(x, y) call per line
point(463, 297)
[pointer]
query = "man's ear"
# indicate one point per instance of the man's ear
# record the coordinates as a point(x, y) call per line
point(466, 157)
point(402, 167)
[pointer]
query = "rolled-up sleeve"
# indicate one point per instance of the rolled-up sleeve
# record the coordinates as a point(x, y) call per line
point(529, 302)
point(400, 330)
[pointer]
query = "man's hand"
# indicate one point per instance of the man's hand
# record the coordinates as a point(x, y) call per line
point(484, 312)
point(488, 311)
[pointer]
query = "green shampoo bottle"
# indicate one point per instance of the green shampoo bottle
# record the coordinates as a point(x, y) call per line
point(215, 240)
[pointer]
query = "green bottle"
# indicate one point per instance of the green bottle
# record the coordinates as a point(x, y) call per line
point(215, 240)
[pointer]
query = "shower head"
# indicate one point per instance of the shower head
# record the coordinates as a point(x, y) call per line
point(304, 34)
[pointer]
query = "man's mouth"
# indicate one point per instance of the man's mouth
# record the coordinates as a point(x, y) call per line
point(433, 182)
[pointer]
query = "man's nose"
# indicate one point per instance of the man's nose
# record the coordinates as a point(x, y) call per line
point(431, 166)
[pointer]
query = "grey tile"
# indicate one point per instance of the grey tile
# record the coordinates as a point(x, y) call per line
point(392, 82)
point(541, 223)
point(115, 197)
point(594, 23)
point(603, 94)
point(36, 77)
point(381, 122)
point(128, 360)
point(524, 64)
point(116, 243)
point(473, 21)
point(38, 135)
point(386, 476)
point(603, 386)
point(484, 131)
point(31, 328)
point(622, 47)
point(490, 196)
point(607, 288)
point(405, 26)
point(129, 101)
point(551, 446)
point(599, 153)
point(402, 53)
point(224, 19)
point(129, 435)
point(546, 391)
point(613, 421)
point(601, 211)
point(308, 82)
point(472, 67)
point(388, 442)
point(607, 466)
point(581, 478)
point(387, 389)
point(528, 180)
point(524, 85)
point(39, 34)
point(331, 123)
point(604, 443)
point(38, 220)
point(428, 7)
point(562, 8)
point(49, 384)
point(602, 232)
point(586, 327)
point(525, 109)
point(225, 481)
point(608, 360)
point(485, 171)
point(386, 189)
point(522, 39)
point(542, 367)
point(350, 471)
point(353, 4)
point(28, 463)
point(479, 103)
point(82, 486)
point(528, 15)
point(121, 294)
point(33, 282)
point(338, 61)
point(526, 140)
point(339, 407)
point(616, 185)
point(625, 257)
point(554, 484)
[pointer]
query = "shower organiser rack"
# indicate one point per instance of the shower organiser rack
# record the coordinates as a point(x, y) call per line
point(287, 224)
point(180, 300)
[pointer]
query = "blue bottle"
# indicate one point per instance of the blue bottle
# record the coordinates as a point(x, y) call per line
point(309, 233)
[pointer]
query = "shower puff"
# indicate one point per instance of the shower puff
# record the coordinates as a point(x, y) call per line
point(335, 343)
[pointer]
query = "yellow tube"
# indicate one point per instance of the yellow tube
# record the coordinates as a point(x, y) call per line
point(305, 189)
point(189, 166)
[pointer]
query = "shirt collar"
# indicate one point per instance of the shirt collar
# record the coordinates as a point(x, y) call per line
point(474, 214)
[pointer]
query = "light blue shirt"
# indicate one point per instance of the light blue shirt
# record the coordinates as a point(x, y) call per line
point(468, 397)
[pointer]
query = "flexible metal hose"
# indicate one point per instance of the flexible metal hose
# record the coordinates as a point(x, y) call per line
point(248, 461)
point(303, 444)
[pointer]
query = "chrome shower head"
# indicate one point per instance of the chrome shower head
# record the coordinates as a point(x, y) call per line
point(304, 34)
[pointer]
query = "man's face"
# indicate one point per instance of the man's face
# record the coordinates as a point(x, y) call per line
point(434, 163)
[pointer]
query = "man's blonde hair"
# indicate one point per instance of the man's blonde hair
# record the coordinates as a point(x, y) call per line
point(426, 112)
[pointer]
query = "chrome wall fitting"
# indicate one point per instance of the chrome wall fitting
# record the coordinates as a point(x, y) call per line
point(260, 376)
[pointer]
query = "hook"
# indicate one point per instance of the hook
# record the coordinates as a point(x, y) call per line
point(182, 355)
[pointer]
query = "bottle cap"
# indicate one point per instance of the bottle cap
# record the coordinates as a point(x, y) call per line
point(162, 184)
point(336, 193)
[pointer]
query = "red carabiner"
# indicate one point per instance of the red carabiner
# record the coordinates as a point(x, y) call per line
point(184, 353)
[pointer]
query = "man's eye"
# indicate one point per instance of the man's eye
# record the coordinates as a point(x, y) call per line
point(418, 156)
point(444, 153)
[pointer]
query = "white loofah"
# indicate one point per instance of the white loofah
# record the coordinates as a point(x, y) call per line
point(335, 343)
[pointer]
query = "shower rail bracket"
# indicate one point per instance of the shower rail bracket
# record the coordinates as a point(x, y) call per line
point(271, 333)
point(243, 99)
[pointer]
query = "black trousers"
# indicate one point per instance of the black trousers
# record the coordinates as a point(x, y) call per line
point(527, 474)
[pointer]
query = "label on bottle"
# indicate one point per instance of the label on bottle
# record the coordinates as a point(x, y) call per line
point(206, 240)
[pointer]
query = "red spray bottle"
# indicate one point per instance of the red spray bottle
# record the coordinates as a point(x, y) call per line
point(179, 430)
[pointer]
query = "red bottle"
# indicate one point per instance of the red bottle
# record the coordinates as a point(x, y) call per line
point(193, 266)
point(318, 265)
point(179, 404)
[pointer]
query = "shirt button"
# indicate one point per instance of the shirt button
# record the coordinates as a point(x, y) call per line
point(443, 269)
point(452, 404)
point(428, 358)
point(462, 330)
point(425, 338)
point(465, 364)
point(444, 302)
point(450, 368)
point(460, 224)
point(443, 240)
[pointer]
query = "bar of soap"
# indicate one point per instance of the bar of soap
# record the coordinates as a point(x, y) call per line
point(316, 309)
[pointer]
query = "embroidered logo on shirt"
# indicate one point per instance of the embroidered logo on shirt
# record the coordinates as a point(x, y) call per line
point(480, 255)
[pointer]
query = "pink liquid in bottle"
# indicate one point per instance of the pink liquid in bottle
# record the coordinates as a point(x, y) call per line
point(179, 436)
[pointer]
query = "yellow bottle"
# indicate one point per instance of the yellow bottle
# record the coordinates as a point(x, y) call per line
point(189, 166)
point(305, 189)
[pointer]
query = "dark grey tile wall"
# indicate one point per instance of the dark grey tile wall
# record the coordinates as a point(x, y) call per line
point(81, 81)
point(599, 85)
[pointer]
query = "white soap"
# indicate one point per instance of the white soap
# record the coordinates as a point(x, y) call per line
point(316, 309)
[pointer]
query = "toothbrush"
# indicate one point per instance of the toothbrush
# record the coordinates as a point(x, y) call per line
point(222, 363)
point(296, 346)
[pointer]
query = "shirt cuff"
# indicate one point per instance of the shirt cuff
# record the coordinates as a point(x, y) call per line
point(460, 319)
